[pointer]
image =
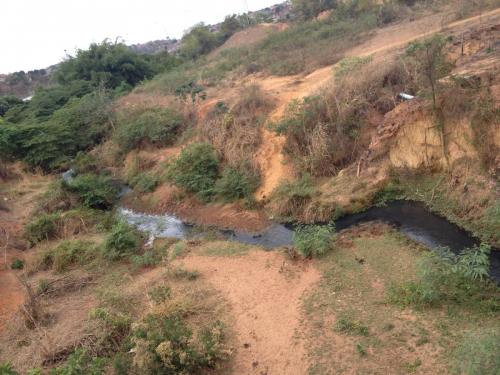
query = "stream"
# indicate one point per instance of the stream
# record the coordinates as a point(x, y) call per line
point(411, 218)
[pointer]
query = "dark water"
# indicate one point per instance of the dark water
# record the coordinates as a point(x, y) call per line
point(411, 218)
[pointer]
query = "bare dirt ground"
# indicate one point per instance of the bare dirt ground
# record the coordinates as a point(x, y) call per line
point(18, 197)
point(263, 290)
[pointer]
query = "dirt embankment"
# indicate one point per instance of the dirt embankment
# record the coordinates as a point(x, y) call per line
point(18, 198)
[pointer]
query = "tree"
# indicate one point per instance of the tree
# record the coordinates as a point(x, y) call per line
point(106, 63)
point(230, 26)
point(198, 41)
point(307, 9)
point(430, 62)
point(7, 102)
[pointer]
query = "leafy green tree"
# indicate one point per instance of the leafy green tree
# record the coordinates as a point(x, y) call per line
point(230, 26)
point(198, 41)
point(7, 102)
point(429, 60)
point(107, 64)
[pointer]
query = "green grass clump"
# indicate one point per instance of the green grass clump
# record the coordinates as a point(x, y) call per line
point(42, 228)
point(446, 279)
point(477, 354)
point(81, 363)
point(17, 264)
point(346, 325)
point(196, 170)
point(70, 253)
point(350, 64)
point(122, 241)
point(236, 183)
point(314, 240)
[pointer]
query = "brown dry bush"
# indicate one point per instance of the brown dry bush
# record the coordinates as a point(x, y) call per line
point(235, 133)
point(326, 132)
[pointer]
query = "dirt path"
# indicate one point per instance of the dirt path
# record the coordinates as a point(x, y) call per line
point(286, 89)
point(18, 197)
point(264, 292)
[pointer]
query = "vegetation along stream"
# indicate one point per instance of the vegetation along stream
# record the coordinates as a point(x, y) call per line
point(411, 218)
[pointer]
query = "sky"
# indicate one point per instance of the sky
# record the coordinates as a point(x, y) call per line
point(35, 34)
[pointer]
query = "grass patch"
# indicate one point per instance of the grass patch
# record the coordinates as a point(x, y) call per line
point(351, 327)
point(353, 295)
point(224, 249)
point(314, 240)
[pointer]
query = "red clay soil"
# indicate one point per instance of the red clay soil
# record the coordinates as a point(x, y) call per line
point(18, 198)
point(264, 292)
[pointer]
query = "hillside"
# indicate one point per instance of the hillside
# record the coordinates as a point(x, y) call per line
point(315, 196)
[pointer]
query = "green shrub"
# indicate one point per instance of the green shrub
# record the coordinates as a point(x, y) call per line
point(237, 183)
point(290, 198)
point(444, 278)
point(85, 163)
point(349, 65)
point(144, 182)
point(42, 228)
point(314, 240)
point(17, 264)
point(94, 191)
point(152, 127)
point(79, 125)
point(164, 344)
point(477, 354)
point(69, 253)
point(123, 241)
point(196, 169)
point(7, 369)
point(81, 363)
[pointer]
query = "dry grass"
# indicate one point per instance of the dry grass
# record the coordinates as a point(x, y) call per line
point(235, 133)
point(328, 131)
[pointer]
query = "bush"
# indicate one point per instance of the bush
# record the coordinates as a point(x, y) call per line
point(237, 183)
point(196, 169)
point(94, 191)
point(314, 240)
point(165, 345)
point(477, 354)
point(144, 182)
point(444, 278)
point(17, 264)
point(42, 228)
point(290, 198)
point(81, 363)
point(123, 241)
point(79, 125)
point(152, 127)
point(69, 253)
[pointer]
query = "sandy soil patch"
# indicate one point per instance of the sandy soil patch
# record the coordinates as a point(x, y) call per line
point(264, 292)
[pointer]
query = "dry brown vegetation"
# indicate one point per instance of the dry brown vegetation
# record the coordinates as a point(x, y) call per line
point(235, 133)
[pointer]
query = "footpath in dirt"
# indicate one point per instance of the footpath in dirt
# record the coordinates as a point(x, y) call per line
point(264, 293)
